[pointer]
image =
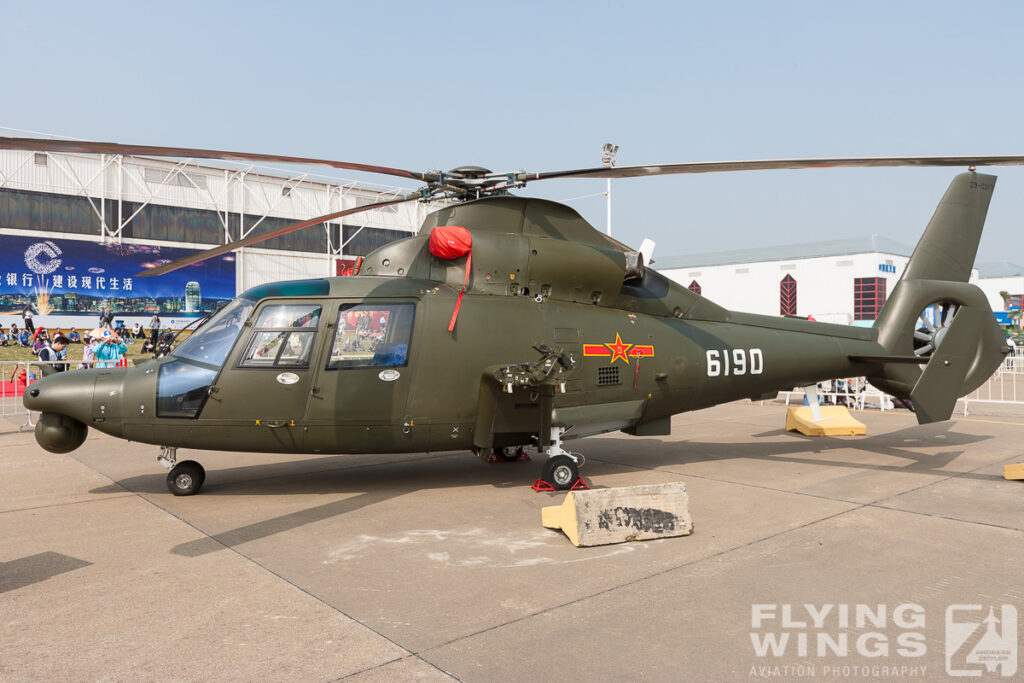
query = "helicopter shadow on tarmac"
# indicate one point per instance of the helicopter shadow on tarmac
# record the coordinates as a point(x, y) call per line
point(380, 479)
point(800, 449)
point(375, 479)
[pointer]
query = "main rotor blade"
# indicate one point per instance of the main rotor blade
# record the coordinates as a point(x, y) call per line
point(773, 164)
point(82, 147)
point(260, 237)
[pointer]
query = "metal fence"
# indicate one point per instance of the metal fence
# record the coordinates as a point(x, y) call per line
point(1005, 387)
point(852, 392)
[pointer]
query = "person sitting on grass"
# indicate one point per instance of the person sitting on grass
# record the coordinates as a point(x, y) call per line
point(24, 339)
point(3, 337)
point(163, 346)
point(74, 337)
point(40, 340)
point(123, 332)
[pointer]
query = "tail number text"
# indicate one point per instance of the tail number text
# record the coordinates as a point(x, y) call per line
point(735, 362)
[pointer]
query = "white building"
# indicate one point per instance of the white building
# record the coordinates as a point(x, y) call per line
point(838, 281)
point(995, 278)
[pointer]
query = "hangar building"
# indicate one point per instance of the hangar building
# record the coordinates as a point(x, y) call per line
point(73, 228)
point(838, 281)
point(1002, 277)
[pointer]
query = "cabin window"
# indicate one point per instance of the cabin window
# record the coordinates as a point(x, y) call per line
point(283, 336)
point(372, 335)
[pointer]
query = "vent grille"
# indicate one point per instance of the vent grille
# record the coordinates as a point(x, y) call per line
point(158, 176)
point(608, 375)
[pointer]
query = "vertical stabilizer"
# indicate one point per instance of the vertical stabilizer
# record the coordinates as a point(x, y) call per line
point(959, 343)
point(949, 244)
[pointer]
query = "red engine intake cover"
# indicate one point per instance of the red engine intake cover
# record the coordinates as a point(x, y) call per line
point(450, 241)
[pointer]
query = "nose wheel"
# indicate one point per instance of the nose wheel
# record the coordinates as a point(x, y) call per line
point(186, 478)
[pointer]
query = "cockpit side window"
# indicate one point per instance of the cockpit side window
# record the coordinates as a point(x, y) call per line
point(372, 335)
point(283, 337)
point(211, 343)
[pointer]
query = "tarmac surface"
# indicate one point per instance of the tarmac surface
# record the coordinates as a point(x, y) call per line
point(409, 567)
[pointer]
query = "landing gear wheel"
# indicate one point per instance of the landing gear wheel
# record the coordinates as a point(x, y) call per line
point(561, 472)
point(510, 453)
point(186, 478)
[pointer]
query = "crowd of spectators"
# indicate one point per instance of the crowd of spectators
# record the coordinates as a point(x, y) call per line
point(104, 346)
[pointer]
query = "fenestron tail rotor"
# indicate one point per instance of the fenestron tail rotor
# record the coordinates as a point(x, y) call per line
point(932, 330)
point(467, 182)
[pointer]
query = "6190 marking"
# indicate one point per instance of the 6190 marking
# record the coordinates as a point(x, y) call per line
point(735, 362)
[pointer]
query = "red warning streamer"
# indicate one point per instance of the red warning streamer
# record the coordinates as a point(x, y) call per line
point(451, 242)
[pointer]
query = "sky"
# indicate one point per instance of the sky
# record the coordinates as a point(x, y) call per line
point(540, 86)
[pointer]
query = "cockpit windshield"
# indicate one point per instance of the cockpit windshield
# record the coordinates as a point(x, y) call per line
point(211, 343)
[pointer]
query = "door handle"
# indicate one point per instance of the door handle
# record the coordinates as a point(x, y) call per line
point(274, 424)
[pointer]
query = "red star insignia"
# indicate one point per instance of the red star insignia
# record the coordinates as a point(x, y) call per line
point(619, 349)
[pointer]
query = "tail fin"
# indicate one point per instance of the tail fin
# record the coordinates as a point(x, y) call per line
point(961, 346)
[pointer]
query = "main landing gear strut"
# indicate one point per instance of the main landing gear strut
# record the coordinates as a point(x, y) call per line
point(186, 477)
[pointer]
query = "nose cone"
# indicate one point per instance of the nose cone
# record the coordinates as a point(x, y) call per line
point(64, 393)
point(69, 401)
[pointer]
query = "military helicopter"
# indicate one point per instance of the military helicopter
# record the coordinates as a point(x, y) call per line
point(510, 323)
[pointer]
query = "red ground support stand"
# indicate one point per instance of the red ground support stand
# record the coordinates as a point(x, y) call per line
point(541, 486)
point(523, 457)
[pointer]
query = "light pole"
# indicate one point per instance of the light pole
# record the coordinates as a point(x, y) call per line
point(608, 154)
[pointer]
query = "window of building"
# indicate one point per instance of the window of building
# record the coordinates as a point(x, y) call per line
point(787, 295)
point(360, 241)
point(179, 178)
point(868, 297)
point(26, 210)
point(695, 287)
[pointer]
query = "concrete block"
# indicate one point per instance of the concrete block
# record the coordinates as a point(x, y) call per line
point(834, 421)
point(1013, 471)
point(627, 513)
